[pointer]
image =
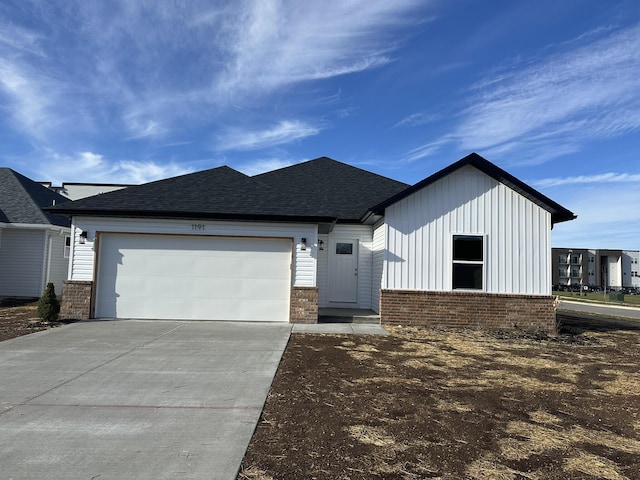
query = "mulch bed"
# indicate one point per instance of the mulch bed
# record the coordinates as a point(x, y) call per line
point(452, 405)
point(18, 317)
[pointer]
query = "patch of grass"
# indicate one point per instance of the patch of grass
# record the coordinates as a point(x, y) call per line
point(598, 297)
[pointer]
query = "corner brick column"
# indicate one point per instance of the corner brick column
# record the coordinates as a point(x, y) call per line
point(76, 300)
point(490, 311)
point(304, 305)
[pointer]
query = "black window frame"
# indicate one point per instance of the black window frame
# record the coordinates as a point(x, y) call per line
point(468, 262)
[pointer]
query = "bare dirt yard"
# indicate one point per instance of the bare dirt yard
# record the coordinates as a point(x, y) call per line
point(452, 405)
point(18, 317)
point(442, 404)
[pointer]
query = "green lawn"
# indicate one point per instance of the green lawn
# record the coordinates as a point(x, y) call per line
point(599, 297)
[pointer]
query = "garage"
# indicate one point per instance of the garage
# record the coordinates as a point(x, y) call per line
point(193, 277)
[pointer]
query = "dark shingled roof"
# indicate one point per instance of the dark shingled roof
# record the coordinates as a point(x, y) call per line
point(22, 201)
point(558, 212)
point(319, 190)
point(332, 188)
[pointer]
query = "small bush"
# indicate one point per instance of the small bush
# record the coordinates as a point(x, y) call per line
point(48, 305)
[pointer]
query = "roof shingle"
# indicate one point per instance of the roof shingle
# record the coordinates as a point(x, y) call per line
point(22, 201)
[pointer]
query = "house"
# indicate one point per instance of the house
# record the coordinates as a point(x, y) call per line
point(576, 268)
point(468, 245)
point(77, 190)
point(34, 244)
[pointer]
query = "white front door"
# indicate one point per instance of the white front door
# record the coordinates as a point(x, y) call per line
point(343, 270)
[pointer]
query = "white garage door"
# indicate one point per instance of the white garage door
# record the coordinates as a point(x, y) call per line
point(193, 277)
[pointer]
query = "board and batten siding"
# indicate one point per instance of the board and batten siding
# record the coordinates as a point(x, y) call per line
point(377, 265)
point(81, 265)
point(364, 235)
point(517, 235)
point(21, 262)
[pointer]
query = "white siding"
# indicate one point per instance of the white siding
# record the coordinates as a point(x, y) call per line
point(58, 265)
point(304, 266)
point(323, 271)
point(21, 262)
point(364, 235)
point(517, 233)
point(377, 265)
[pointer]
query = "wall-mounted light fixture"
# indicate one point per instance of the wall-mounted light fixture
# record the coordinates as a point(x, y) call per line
point(320, 244)
point(83, 237)
point(303, 243)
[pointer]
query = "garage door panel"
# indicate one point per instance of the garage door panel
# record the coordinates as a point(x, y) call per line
point(175, 277)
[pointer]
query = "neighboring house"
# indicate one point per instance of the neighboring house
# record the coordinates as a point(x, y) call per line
point(34, 244)
point(76, 191)
point(595, 268)
point(468, 245)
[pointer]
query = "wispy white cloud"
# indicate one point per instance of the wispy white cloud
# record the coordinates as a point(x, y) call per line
point(607, 217)
point(540, 108)
point(417, 119)
point(274, 44)
point(93, 167)
point(424, 151)
point(144, 70)
point(587, 179)
point(286, 131)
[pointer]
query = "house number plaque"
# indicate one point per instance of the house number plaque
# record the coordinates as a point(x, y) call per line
point(197, 227)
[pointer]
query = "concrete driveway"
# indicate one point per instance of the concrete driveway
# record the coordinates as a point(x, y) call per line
point(133, 399)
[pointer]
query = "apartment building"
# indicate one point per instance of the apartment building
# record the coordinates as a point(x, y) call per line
point(595, 268)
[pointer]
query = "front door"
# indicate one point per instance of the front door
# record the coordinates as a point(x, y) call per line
point(343, 270)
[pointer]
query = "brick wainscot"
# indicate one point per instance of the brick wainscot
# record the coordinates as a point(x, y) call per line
point(304, 305)
point(76, 300)
point(468, 309)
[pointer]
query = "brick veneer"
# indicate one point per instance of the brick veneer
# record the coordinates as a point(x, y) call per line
point(76, 300)
point(468, 309)
point(304, 305)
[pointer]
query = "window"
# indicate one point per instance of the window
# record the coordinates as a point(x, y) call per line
point(67, 247)
point(468, 262)
point(562, 259)
point(563, 272)
point(344, 248)
point(575, 260)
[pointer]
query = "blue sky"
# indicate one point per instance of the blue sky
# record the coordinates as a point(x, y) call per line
point(134, 91)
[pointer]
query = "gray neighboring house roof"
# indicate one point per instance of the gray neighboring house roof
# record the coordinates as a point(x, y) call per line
point(22, 201)
point(320, 190)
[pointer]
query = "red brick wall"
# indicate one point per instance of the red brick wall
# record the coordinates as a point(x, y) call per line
point(76, 300)
point(468, 309)
point(304, 305)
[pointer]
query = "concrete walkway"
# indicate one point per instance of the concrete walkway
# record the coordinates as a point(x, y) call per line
point(601, 309)
point(340, 328)
point(134, 399)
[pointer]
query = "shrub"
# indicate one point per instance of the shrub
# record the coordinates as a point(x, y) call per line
point(48, 305)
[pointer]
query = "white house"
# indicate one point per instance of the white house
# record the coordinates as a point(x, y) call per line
point(468, 245)
point(34, 244)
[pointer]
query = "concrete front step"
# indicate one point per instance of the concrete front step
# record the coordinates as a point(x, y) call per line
point(339, 315)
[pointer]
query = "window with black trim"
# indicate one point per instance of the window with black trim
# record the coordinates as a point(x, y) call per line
point(67, 246)
point(468, 262)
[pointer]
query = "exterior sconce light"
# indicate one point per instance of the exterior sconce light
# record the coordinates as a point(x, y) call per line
point(303, 243)
point(83, 237)
point(320, 244)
